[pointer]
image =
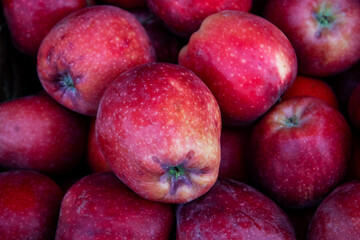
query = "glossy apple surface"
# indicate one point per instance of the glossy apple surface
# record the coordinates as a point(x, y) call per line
point(183, 17)
point(311, 87)
point(86, 51)
point(30, 21)
point(29, 205)
point(158, 127)
point(101, 207)
point(300, 151)
point(39, 134)
point(230, 211)
point(246, 61)
point(338, 216)
point(324, 33)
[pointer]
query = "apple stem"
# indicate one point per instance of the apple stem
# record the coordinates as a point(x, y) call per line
point(325, 19)
point(292, 121)
point(324, 16)
point(177, 176)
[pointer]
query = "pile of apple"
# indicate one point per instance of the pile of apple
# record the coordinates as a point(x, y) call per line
point(181, 119)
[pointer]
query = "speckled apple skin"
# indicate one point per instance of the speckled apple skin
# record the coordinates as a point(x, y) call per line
point(29, 205)
point(245, 60)
point(320, 52)
point(101, 207)
point(39, 134)
point(157, 116)
point(232, 210)
point(95, 158)
point(92, 46)
point(354, 107)
point(300, 165)
point(338, 216)
point(30, 21)
point(183, 17)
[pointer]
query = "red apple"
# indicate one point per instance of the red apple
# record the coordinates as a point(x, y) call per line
point(127, 4)
point(246, 62)
point(95, 158)
point(354, 107)
point(158, 127)
point(30, 21)
point(324, 33)
point(86, 51)
point(232, 210)
point(100, 207)
point(29, 205)
point(167, 45)
point(300, 151)
point(234, 153)
point(311, 87)
point(39, 134)
point(338, 216)
point(183, 17)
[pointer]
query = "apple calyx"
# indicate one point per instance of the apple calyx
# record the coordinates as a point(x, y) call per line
point(324, 17)
point(66, 82)
point(176, 171)
point(292, 121)
point(177, 175)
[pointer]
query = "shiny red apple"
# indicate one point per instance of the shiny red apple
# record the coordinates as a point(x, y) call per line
point(86, 51)
point(246, 61)
point(158, 126)
point(101, 207)
point(300, 151)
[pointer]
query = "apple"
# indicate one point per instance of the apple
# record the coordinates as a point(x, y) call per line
point(338, 216)
point(29, 205)
point(234, 154)
point(30, 21)
point(311, 87)
point(324, 33)
point(354, 107)
point(246, 61)
point(183, 17)
point(232, 210)
point(300, 151)
point(39, 134)
point(167, 45)
point(86, 51)
point(159, 126)
point(100, 206)
point(127, 4)
point(95, 158)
